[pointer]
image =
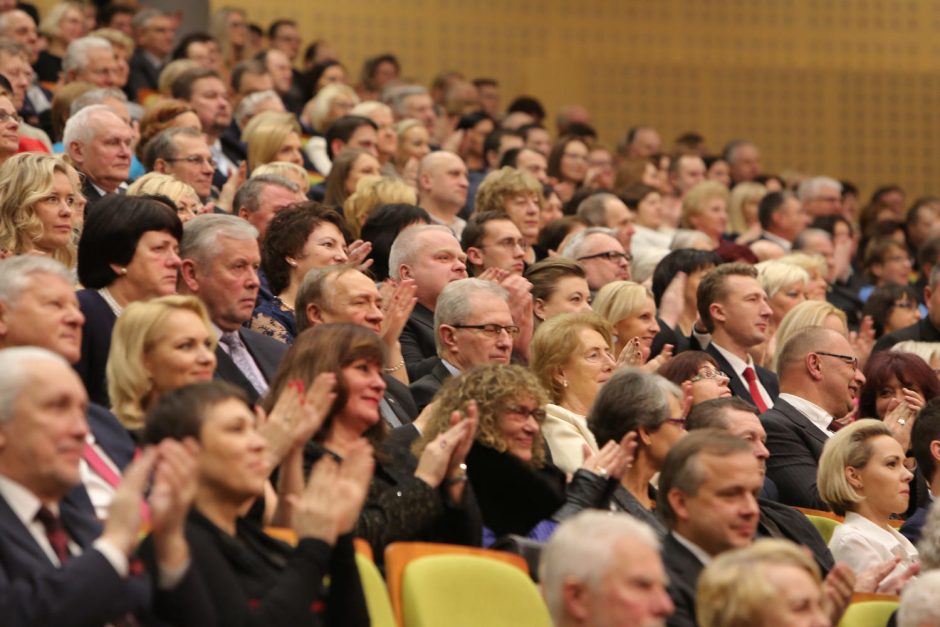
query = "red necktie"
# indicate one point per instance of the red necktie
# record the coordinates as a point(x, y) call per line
point(834, 426)
point(751, 377)
point(55, 531)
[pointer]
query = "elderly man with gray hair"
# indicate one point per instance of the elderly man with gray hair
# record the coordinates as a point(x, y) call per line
point(92, 60)
point(601, 254)
point(821, 196)
point(602, 569)
point(473, 325)
point(99, 144)
point(154, 32)
point(262, 197)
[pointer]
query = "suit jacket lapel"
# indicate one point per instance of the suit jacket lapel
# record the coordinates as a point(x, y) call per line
point(804, 423)
point(16, 534)
point(735, 384)
point(226, 370)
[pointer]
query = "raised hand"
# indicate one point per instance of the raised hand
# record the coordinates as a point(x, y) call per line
point(357, 254)
point(314, 515)
point(900, 418)
point(660, 360)
point(435, 460)
point(352, 485)
point(672, 302)
point(631, 355)
point(122, 529)
point(297, 415)
point(398, 303)
point(172, 495)
point(838, 587)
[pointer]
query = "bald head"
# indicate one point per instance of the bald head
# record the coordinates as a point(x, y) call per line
point(793, 354)
point(442, 184)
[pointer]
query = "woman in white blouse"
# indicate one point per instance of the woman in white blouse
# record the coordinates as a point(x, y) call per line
point(863, 477)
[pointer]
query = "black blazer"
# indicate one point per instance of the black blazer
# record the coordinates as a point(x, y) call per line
point(143, 75)
point(266, 352)
point(417, 342)
point(922, 331)
point(424, 389)
point(398, 397)
point(738, 387)
point(683, 570)
point(795, 445)
point(668, 335)
point(86, 590)
point(782, 521)
point(96, 343)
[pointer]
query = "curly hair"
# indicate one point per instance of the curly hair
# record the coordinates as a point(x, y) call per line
point(500, 185)
point(492, 386)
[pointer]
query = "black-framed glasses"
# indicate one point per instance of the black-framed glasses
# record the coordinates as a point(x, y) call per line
point(10, 117)
point(610, 255)
point(490, 330)
point(195, 160)
point(537, 413)
point(851, 360)
point(709, 373)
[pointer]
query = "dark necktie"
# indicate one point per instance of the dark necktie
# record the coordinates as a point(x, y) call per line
point(55, 531)
point(835, 426)
point(751, 377)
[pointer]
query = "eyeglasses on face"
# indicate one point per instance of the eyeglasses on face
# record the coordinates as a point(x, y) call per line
point(708, 374)
point(537, 413)
point(490, 330)
point(10, 117)
point(610, 255)
point(195, 160)
point(851, 360)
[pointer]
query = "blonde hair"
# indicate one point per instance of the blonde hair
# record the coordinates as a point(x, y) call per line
point(776, 274)
point(266, 133)
point(734, 590)
point(290, 171)
point(849, 447)
point(371, 193)
point(322, 103)
point(116, 38)
point(811, 263)
point(401, 131)
point(157, 183)
point(742, 194)
point(619, 300)
point(218, 28)
point(695, 199)
point(810, 313)
point(135, 333)
point(556, 341)
point(25, 179)
point(500, 184)
point(925, 350)
point(49, 26)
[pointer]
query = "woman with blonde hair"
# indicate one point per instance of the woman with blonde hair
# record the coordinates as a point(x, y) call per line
point(704, 208)
point(414, 142)
point(742, 211)
point(785, 285)
point(349, 167)
point(331, 103)
point(630, 309)
point(273, 136)
point(290, 171)
point(373, 192)
point(183, 196)
point(64, 23)
point(37, 206)
point(229, 27)
point(816, 267)
point(771, 582)
point(810, 313)
point(157, 346)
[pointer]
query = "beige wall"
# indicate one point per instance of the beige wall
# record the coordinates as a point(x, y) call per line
point(849, 88)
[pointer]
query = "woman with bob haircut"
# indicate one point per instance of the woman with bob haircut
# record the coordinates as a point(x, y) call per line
point(299, 238)
point(349, 167)
point(519, 491)
point(743, 203)
point(701, 370)
point(892, 308)
point(273, 136)
point(128, 251)
point(383, 225)
point(518, 194)
point(372, 192)
point(862, 477)
point(570, 355)
point(559, 285)
point(253, 579)
point(704, 209)
point(785, 285)
point(157, 346)
point(183, 195)
point(413, 142)
point(817, 268)
point(771, 582)
point(37, 207)
point(418, 497)
point(631, 311)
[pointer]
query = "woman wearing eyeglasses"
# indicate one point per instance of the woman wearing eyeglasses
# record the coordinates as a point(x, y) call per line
point(892, 308)
point(698, 368)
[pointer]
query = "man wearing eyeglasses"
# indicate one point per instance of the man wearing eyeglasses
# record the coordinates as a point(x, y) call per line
point(473, 326)
point(819, 380)
point(601, 254)
point(492, 240)
point(183, 154)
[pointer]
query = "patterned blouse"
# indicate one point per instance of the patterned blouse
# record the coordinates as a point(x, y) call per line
point(274, 319)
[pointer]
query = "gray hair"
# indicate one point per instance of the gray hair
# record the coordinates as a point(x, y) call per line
point(95, 97)
point(575, 244)
point(163, 145)
point(139, 21)
point(12, 47)
point(803, 240)
point(201, 235)
point(593, 209)
point(16, 274)
point(246, 108)
point(730, 152)
point(455, 303)
point(395, 97)
point(687, 238)
point(407, 245)
point(919, 601)
point(367, 108)
point(633, 399)
point(80, 128)
point(15, 377)
point(580, 549)
point(248, 195)
point(76, 55)
point(314, 289)
point(811, 187)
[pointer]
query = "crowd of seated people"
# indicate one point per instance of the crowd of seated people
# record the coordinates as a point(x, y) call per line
point(242, 290)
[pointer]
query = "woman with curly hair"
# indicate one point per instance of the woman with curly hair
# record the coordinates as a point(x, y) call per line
point(518, 490)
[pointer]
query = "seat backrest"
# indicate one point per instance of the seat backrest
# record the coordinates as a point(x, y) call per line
point(868, 614)
point(380, 608)
point(825, 526)
point(470, 591)
point(399, 554)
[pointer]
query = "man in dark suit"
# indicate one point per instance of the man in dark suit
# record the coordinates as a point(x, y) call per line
point(925, 330)
point(344, 294)
point(819, 379)
point(925, 440)
point(99, 144)
point(57, 566)
point(220, 267)
point(154, 32)
point(782, 218)
point(733, 308)
point(430, 256)
point(474, 326)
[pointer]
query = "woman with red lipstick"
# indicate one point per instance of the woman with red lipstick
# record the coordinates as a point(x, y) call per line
point(420, 497)
point(37, 205)
point(862, 476)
